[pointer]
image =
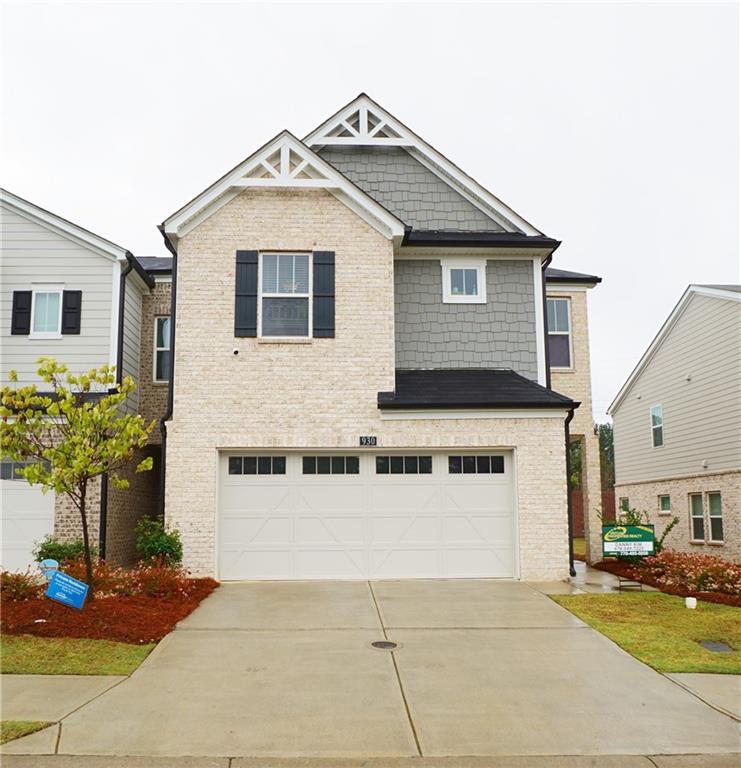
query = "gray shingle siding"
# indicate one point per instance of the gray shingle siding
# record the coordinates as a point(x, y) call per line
point(405, 187)
point(498, 334)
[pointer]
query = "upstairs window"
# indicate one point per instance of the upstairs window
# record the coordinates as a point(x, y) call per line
point(559, 332)
point(657, 426)
point(46, 313)
point(285, 288)
point(464, 282)
point(161, 348)
point(715, 517)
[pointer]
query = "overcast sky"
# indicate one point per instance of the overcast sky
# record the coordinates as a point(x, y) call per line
point(612, 127)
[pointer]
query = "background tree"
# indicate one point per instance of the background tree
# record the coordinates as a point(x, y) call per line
point(74, 434)
point(606, 455)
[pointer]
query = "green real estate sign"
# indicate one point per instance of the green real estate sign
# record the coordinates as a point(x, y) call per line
point(627, 540)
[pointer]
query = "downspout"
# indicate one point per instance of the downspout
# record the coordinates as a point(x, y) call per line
point(569, 508)
point(171, 378)
point(119, 378)
point(546, 262)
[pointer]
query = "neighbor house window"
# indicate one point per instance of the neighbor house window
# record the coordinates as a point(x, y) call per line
point(11, 470)
point(46, 312)
point(161, 348)
point(559, 332)
point(464, 282)
point(285, 309)
point(665, 505)
point(624, 504)
point(657, 426)
point(715, 517)
point(697, 517)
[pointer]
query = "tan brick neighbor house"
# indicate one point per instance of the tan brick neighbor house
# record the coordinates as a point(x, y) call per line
point(374, 368)
point(677, 422)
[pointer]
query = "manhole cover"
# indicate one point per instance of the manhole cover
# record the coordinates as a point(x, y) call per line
point(384, 645)
point(715, 646)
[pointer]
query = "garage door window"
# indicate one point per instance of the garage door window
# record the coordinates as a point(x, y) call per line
point(331, 465)
point(476, 465)
point(257, 465)
point(403, 465)
point(11, 470)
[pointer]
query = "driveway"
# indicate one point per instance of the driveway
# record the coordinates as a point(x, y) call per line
point(482, 668)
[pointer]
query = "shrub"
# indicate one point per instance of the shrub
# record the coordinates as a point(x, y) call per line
point(61, 551)
point(694, 573)
point(20, 586)
point(153, 541)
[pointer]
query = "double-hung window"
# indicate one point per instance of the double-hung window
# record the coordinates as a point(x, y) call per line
point(464, 282)
point(161, 348)
point(715, 517)
point(697, 517)
point(559, 332)
point(285, 293)
point(657, 426)
point(46, 312)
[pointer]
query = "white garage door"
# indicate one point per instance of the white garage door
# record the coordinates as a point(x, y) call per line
point(356, 516)
point(27, 516)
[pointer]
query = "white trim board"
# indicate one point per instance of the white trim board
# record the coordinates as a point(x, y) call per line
point(283, 163)
point(368, 120)
point(669, 323)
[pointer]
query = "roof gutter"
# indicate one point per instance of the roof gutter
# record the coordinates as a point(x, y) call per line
point(569, 506)
point(478, 239)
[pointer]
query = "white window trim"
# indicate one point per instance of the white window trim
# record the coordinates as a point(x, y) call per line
point(693, 517)
point(709, 528)
point(657, 426)
point(309, 295)
point(665, 496)
point(568, 333)
point(42, 288)
point(479, 265)
point(160, 349)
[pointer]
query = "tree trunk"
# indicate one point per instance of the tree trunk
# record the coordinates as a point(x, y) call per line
point(86, 541)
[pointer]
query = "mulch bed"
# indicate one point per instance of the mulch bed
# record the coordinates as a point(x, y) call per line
point(630, 571)
point(136, 619)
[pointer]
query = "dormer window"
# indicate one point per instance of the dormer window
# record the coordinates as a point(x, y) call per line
point(464, 282)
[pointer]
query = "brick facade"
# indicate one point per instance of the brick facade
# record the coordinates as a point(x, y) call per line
point(67, 524)
point(645, 496)
point(318, 392)
point(152, 395)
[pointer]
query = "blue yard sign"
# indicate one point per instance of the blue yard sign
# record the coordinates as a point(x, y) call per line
point(66, 590)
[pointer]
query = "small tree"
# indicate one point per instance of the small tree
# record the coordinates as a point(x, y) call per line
point(72, 435)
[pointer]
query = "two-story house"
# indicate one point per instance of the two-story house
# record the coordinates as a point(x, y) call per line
point(360, 383)
point(677, 422)
point(68, 293)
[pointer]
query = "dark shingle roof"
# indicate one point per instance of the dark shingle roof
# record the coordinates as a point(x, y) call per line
point(156, 265)
point(469, 388)
point(564, 276)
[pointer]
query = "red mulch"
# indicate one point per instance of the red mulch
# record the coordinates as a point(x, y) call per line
point(630, 571)
point(137, 619)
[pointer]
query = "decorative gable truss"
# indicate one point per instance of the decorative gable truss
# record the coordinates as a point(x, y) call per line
point(363, 122)
point(284, 162)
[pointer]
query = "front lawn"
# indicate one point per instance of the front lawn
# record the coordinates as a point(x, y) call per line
point(27, 655)
point(14, 729)
point(658, 630)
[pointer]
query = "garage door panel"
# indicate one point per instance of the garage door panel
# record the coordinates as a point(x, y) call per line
point(473, 563)
point(478, 497)
point(343, 564)
point(330, 529)
point(400, 563)
point(244, 531)
point(255, 564)
point(342, 496)
point(405, 528)
point(261, 498)
point(395, 496)
point(27, 517)
point(479, 529)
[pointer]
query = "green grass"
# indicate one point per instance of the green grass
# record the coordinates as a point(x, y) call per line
point(27, 655)
point(580, 547)
point(658, 630)
point(14, 729)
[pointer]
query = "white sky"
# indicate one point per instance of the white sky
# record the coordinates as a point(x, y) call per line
point(612, 127)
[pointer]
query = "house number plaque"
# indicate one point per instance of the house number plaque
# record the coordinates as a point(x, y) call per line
point(368, 440)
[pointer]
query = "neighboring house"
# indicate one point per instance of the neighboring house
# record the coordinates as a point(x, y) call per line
point(677, 423)
point(70, 294)
point(360, 384)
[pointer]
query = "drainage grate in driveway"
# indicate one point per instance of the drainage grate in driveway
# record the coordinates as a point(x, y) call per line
point(715, 646)
point(384, 645)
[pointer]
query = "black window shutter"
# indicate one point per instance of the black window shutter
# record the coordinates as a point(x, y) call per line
point(323, 309)
point(21, 322)
point(71, 310)
point(245, 302)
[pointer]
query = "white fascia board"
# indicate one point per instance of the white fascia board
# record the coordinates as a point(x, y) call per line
point(425, 150)
point(557, 288)
point(230, 185)
point(62, 227)
point(540, 340)
point(715, 293)
point(431, 414)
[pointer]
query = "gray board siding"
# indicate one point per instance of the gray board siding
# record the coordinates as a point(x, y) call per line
point(416, 195)
point(498, 334)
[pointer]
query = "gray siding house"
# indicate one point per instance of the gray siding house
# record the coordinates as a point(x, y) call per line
point(677, 425)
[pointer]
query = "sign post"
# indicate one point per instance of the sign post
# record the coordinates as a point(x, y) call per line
point(628, 541)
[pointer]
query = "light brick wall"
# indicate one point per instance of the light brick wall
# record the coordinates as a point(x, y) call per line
point(645, 496)
point(67, 523)
point(321, 393)
point(152, 396)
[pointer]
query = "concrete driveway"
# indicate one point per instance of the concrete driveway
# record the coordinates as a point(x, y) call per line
point(482, 668)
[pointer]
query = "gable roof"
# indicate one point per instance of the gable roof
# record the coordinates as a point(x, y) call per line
point(364, 124)
point(721, 292)
point(284, 162)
